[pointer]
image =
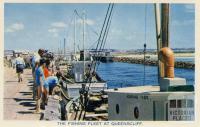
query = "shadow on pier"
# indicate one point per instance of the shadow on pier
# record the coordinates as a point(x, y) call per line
point(11, 81)
point(26, 93)
point(25, 112)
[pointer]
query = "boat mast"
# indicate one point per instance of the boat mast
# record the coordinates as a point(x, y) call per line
point(64, 47)
point(162, 32)
point(58, 49)
point(165, 25)
point(84, 42)
point(158, 30)
point(74, 33)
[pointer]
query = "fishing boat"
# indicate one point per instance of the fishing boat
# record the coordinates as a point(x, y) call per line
point(82, 99)
point(77, 71)
point(78, 67)
point(104, 56)
point(171, 100)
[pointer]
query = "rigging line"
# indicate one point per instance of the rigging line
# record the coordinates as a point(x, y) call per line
point(109, 23)
point(70, 21)
point(145, 39)
point(93, 44)
point(105, 32)
point(67, 32)
point(90, 39)
point(78, 35)
point(92, 29)
point(106, 29)
point(103, 27)
point(76, 13)
point(90, 70)
point(108, 20)
point(98, 41)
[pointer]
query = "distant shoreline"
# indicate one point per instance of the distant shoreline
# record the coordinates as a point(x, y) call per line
point(153, 56)
point(151, 59)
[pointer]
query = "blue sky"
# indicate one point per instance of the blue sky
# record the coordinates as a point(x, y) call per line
point(33, 26)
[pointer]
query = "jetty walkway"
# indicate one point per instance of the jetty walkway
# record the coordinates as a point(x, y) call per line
point(17, 101)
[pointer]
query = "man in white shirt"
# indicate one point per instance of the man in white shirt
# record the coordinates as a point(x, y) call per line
point(20, 64)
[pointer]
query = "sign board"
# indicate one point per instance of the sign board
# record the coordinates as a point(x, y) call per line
point(181, 114)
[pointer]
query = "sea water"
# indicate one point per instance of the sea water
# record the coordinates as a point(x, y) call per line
point(118, 74)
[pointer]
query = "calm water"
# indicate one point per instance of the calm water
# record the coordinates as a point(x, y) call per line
point(124, 74)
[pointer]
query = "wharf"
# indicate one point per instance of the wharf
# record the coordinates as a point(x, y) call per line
point(19, 105)
point(17, 101)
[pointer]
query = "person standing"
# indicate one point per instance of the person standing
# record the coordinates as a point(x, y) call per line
point(39, 80)
point(20, 64)
point(46, 70)
point(35, 59)
point(13, 61)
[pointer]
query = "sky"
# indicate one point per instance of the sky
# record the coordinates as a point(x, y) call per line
point(45, 25)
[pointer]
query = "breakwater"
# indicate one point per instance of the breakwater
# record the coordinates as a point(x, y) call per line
point(152, 62)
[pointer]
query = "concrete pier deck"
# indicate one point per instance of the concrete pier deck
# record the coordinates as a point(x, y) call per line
point(17, 100)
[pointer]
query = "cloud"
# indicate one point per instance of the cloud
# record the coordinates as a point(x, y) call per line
point(55, 28)
point(87, 21)
point(15, 27)
point(59, 24)
point(52, 30)
point(189, 8)
point(90, 22)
